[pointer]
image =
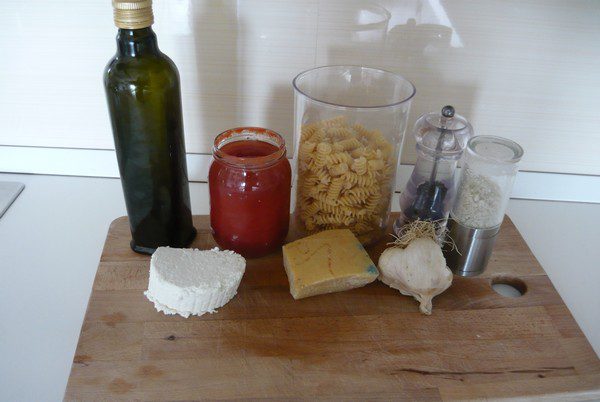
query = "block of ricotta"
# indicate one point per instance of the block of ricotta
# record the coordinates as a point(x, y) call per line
point(193, 282)
point(327, 262)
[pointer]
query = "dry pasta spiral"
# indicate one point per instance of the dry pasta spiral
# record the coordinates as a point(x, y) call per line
point(345, 176)
point(339, 169)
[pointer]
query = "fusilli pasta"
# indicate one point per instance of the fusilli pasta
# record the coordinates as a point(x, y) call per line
point(345, 176)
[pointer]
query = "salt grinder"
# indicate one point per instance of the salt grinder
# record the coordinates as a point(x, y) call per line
point(489, 167)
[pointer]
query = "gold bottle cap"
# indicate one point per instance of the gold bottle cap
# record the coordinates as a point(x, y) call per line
point(133, 14)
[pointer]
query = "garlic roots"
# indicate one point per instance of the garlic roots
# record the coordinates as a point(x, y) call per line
point(419, 270)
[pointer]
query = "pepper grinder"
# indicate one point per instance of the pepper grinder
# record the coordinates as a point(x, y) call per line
point(441, 139)
point(489, 167)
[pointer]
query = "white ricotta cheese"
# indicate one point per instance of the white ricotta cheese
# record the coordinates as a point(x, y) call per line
point(193, 282)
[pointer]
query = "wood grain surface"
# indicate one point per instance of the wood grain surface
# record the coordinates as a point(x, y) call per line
point(367, 343)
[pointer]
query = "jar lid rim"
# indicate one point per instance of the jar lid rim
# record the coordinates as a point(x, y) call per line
point(492, 139)
point(244, 134)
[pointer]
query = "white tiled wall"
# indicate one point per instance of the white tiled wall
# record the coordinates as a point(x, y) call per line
point(527, 70)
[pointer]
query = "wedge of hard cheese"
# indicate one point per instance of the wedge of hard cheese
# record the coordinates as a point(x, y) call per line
point(327, 262)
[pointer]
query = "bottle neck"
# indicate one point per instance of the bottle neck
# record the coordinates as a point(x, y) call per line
point(136, 42)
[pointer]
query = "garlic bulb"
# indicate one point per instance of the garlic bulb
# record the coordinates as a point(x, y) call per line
point(419, 270)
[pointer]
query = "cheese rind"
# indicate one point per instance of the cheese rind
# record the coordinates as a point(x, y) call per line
point(327, 262)
point(193, 282)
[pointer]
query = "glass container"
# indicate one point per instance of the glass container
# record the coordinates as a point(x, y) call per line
point(349, 124)
point(488, 172)
point(441, 139)
point(489, 167)
point(249, 184)
point(144, 103)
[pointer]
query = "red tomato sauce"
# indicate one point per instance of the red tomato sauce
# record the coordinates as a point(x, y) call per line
point(250, 197)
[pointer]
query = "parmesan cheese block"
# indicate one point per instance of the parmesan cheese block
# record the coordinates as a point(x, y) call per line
point(327, 262)
point(193, 282)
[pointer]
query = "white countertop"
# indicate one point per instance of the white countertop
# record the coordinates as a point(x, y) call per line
point(51, 239)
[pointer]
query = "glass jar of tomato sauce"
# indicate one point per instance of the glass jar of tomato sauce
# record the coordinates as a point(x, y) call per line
point(249, 183)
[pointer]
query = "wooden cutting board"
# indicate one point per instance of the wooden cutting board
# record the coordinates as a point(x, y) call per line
point(367, 343)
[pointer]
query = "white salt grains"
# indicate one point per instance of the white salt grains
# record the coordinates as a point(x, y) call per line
point(478, 201)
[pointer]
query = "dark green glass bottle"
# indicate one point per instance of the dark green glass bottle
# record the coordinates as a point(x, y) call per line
point(144, 102)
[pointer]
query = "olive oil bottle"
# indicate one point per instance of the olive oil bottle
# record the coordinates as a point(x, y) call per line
point(144, 102)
